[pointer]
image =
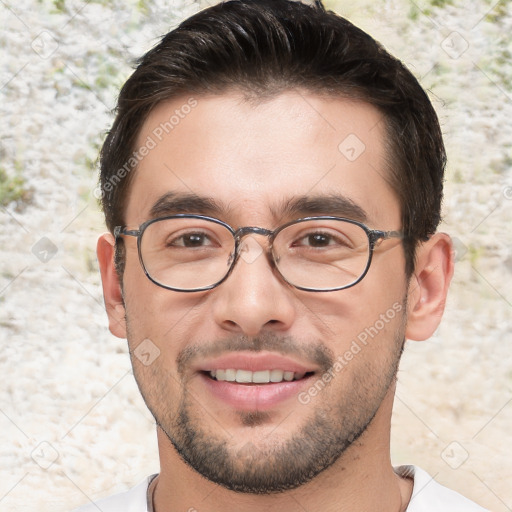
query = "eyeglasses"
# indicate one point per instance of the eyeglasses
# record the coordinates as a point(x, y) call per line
point(191, 253)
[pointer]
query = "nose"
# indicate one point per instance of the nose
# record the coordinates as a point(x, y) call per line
point(254, 298)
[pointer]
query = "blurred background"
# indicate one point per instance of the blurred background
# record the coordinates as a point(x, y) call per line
point(72, 424)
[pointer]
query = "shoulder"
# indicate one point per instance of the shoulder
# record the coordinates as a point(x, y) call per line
point(428, 495)
point(133, 500)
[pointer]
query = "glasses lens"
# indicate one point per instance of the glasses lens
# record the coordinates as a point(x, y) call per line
point(186, 253)
point(322, 254)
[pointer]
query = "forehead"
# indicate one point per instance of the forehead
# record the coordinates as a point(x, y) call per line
point(251, 158)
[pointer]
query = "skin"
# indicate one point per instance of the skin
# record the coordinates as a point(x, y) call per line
point(250, 157)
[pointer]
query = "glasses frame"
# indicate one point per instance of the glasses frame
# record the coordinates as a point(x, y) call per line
point(374, 235)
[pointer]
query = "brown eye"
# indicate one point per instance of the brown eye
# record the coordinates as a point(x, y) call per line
point(318, 240)
point(192, 240)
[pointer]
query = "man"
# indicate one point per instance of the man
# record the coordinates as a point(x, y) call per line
point(272, 188)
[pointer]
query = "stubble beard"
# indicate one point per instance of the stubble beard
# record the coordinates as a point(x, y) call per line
point(275, 467)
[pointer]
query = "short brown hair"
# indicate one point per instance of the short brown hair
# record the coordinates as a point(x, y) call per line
point(264, 47)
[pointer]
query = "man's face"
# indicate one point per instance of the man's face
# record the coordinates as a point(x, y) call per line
point(251, 160)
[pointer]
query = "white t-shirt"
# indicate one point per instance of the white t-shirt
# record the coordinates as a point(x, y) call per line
point(427, 496)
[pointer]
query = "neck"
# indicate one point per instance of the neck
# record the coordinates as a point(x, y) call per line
point(361, 480)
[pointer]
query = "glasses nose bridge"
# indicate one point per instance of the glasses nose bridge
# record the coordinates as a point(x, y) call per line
point(247, 230)
point(242, 232)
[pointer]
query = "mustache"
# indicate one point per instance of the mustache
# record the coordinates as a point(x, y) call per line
point(315, 352)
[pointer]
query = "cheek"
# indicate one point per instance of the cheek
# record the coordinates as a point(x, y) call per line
point(347, 314)
point(367, 357)
point(159, 318)
point(150, 308)
point(382, 292)
point(158, 382)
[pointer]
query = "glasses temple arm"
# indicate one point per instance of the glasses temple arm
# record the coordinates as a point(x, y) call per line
point(119, 230)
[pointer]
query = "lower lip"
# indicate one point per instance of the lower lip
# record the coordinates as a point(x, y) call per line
point(254, 397)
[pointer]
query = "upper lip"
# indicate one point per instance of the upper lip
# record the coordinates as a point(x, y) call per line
point(255, 362)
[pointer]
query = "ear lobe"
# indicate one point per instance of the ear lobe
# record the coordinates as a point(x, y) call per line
point(112, 292)
point(428, 286)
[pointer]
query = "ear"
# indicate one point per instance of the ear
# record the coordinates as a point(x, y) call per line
point(112, 292)
point(428, 286)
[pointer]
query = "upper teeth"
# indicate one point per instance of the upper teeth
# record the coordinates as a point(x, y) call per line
point(260, 377)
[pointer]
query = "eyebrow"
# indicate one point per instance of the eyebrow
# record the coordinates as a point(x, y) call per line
point(173, 203)
point(337, 205)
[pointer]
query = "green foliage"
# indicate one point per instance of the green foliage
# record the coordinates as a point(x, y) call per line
point(88, 156)
point(475, 254)
point(13, 189)
point(498, 12)
point(440, 3)
point(414, 12)
point(497, 64)
point(60, 5)
point(143, 6)
point(426, 7)
point(108, 74)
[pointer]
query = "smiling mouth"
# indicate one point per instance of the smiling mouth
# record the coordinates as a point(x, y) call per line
point(258, 377)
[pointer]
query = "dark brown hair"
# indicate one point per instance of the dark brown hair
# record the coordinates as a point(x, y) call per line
point(264, 47)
